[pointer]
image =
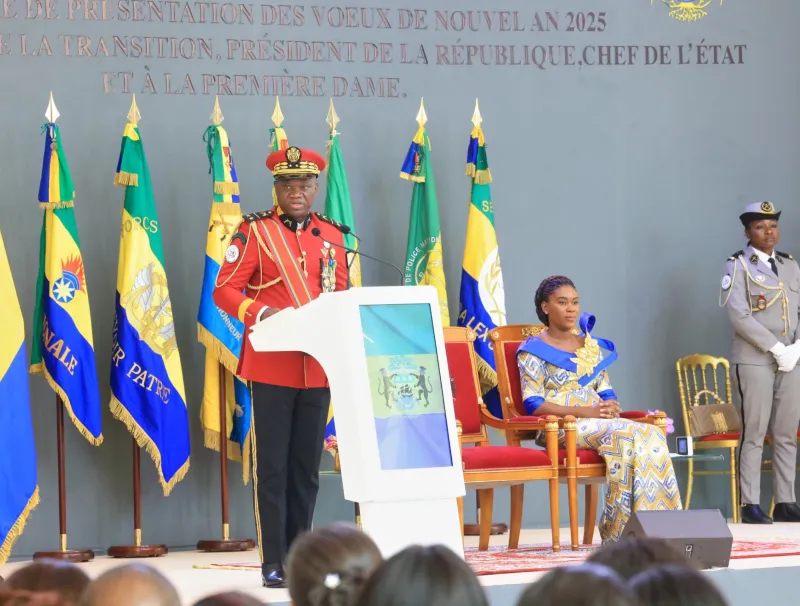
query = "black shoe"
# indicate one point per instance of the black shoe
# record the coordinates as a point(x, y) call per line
point(273, 576)
point(786, 512)
point(752, 514)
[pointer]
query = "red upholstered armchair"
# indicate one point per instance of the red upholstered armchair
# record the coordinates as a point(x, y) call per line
point(487, 467)
point(587, 467)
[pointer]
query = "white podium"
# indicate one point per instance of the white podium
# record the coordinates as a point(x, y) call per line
point(383, 352)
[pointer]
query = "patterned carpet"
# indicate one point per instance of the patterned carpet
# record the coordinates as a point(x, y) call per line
point(539, 557)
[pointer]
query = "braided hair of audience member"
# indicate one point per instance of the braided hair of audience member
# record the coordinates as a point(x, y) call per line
point(547, 288)
point(329, 566)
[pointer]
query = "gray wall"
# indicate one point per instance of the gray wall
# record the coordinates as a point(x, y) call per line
point(628, 178)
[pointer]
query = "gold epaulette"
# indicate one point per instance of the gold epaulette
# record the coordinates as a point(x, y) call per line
point(340, 226)
point(262, 214)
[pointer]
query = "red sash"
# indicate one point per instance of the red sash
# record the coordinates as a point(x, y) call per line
point(290, 271)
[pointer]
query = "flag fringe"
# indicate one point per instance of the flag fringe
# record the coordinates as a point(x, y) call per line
point(41, 369)
point(225, 208)
point(56, 205)
point(220, 352)
point(481, 177)
point(144, 441)
point(487, 376)
point(211, 441)
point(18, 527)
point(414, 178)
point(123, 179)
point(226, 188)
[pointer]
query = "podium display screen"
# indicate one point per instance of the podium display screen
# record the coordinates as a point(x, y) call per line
point(406, 386)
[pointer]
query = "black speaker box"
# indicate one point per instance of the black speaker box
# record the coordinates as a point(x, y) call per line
point(702, 534)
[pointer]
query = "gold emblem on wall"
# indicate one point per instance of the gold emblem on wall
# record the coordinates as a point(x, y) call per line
point(687, 10)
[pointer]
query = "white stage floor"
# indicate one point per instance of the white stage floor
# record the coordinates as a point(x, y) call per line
point(193, 584)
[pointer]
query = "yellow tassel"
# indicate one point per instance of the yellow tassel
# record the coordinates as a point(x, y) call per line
point(414, 178)
point(211, 441)
point(470, 170)
point(56, 205)
point(226, 188)
point(123, 179)
point(483, 177)
point(41, 369)
point(18, 527)
point(247, 458)
point(221, 353)
point(144, 441)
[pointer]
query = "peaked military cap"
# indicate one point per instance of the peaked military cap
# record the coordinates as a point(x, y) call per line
point(295, 162)
point(758, 211)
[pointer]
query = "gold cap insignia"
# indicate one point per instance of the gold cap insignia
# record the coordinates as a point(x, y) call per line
point(293, 155)
point(767, 207)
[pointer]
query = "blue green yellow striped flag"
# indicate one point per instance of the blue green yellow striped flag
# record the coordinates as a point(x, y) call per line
point(482, 301)
point(424, 263)
point(62, 348)
point(19, 491)
point(147, 392)
point(278, 138)
point(220, 333)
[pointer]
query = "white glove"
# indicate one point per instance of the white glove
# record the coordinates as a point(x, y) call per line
point(793, 355)
point(784, 356)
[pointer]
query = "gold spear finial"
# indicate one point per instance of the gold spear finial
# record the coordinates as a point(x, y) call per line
point(476, 115)
point(133, 114)
point(216, 114)
point(422, 117)
point(277, 115)
point(52, 113)
point(333, 118)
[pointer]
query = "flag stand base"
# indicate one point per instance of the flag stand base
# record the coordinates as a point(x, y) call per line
point(223, 545)
point(67, 555)
point(137, 551)
point(473, 530)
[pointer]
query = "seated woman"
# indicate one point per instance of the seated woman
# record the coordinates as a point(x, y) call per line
point(562, 369)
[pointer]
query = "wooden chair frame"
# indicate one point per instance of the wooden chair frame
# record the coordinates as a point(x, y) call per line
point(485, 481)
point(571, 470)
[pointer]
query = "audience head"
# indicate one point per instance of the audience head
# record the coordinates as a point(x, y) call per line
point(329, 566)
point(556, 302)
point(581, 585)
point(229, 598)
point(629, 557)
point(22, 597)
point(673, 585)
point(423, 575)
point(131, 585)
point(64, 578)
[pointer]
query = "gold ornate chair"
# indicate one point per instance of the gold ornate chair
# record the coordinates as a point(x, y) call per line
point(588, 467)
point(698, 373)
point(487, 467)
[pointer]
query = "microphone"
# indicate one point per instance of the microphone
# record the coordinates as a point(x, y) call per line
point(316, 232)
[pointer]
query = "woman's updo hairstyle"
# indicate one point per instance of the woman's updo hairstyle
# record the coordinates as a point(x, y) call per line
point(329, 566)
point(547, 288)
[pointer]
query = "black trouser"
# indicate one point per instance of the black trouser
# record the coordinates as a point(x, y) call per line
point(289, 426)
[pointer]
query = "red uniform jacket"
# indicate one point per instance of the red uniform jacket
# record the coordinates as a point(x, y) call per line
point(250, 279)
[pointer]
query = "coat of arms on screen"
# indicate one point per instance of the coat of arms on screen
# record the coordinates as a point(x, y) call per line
point(404, 385)
point(687, 10)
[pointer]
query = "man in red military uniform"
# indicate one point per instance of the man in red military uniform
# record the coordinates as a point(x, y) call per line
point(275, 261)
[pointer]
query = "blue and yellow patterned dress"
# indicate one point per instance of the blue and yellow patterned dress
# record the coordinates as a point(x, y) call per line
point(640, 474)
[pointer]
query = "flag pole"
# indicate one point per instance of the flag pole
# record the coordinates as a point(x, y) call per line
point(70, 555)
point(226, 543)
point(137, 550)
